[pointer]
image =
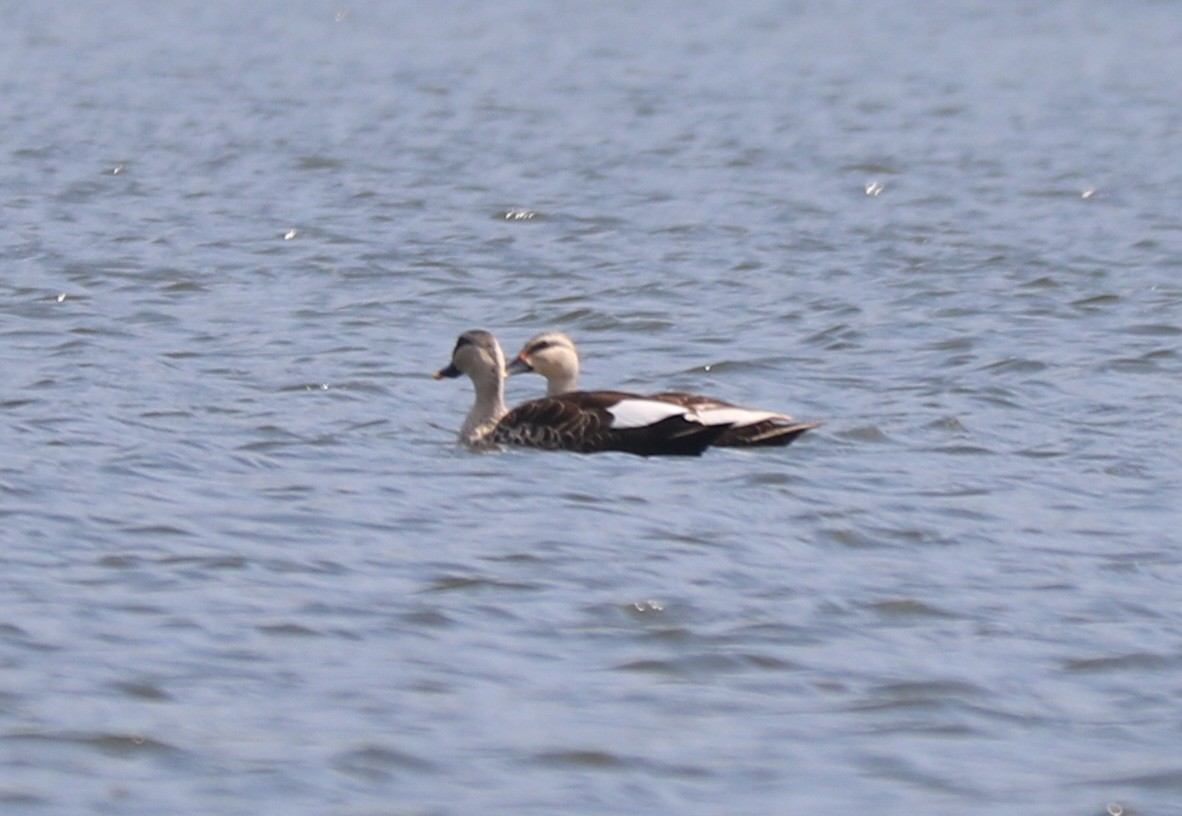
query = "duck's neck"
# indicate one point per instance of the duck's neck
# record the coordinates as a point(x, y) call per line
point(486, 411)
point(565, 378)
point(562, 383)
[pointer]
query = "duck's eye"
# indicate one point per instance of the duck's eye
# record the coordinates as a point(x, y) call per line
point(542, 346)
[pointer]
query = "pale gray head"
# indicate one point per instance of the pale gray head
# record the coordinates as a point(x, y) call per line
point(554, 356)
point(477, 354)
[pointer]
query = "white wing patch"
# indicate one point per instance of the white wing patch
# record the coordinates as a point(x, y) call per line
point(738, 417)
point(640, 413)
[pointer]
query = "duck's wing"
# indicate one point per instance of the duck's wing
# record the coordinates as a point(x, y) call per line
point(593, 421)
point(750, 427)
point(691, 400)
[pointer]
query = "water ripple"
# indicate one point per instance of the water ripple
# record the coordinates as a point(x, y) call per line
point(239, 537)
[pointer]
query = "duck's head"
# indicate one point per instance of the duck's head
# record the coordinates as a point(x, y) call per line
point(477, 354)
point(551, 354)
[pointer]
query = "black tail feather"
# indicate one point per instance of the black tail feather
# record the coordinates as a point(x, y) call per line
point(764, 435)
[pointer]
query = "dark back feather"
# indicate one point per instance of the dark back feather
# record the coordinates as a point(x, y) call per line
point(581, 421)
point(771, 433)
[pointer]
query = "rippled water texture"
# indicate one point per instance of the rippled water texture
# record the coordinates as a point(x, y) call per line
point(245, 569)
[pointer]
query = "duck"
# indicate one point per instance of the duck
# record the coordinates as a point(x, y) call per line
point(554, 355)
point(579, 421)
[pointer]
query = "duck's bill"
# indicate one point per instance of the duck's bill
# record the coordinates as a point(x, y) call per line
point(518, 366)
point(450, 371)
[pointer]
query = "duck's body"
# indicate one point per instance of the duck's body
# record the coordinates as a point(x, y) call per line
point(593, 421)
point(583, 421)
point(555, 357)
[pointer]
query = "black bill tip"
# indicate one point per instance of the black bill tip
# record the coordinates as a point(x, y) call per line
point(518, 366)
point(449, 372)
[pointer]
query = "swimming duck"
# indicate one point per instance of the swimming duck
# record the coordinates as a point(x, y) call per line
point(554, 356)
point(580, 421)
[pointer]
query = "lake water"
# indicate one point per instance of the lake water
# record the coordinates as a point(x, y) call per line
point(245, 569)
